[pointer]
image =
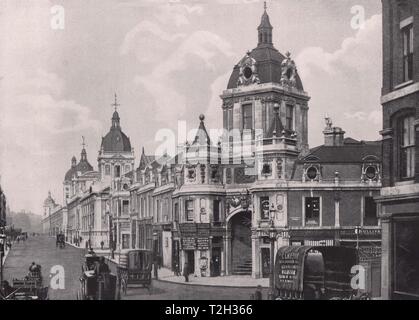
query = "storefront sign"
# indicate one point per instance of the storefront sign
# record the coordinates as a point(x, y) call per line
point(288, 270)
point(203, 230)
point(187, 228)
point(312, 234)
point(361, 233)
point(367, 253)
point(202, 243)
point(188, 243)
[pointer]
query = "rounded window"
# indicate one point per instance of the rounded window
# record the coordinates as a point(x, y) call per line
point(371, 172)
point(247, 72)
point(312, 173)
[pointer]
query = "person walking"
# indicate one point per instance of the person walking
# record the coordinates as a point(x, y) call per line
point(102, 244)
point(186, 271)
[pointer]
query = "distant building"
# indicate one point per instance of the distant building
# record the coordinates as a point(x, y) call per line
point(3, 208)
point(399, 199)
point(116, 166)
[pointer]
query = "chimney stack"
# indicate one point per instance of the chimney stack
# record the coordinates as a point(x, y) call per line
point(333, 136)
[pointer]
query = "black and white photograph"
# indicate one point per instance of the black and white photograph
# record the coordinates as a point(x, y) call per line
point(209, 150)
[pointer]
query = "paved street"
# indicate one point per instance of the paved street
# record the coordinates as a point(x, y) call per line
point(42, 250)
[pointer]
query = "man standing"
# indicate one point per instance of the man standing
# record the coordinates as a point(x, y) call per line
point(186, 271)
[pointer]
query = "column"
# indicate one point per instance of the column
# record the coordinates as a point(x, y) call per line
point(337, 213)
point(227, 255)
point(256, 270)
point(386, 258)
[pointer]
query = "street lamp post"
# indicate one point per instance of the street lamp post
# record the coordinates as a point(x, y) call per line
point(155, 254)
point(111, 242)
point(272, 238)
point(2, 250)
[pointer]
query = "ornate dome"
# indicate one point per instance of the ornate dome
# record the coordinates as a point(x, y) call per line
point(82, 167)
point(115, 140)
point(49, 201)
point(265, 63)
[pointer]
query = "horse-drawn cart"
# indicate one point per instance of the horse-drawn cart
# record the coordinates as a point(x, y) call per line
point(29, 288)
point(93, 285)
point(135, 268)
point(315, 273)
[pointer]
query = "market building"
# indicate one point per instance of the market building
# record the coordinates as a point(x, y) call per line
point(216, 205)
point(284, 189)
point(224, 205)
point(399, 198)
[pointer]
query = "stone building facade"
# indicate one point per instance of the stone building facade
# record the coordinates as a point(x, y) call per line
point(399, 199)
point(215, 203)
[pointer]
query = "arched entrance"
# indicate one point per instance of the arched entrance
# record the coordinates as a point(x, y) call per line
point(241, 243)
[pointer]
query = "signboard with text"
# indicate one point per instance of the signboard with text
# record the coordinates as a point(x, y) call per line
point(188, 243)
point(202, 243)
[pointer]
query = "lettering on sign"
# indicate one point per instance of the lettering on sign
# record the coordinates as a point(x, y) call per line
point(188, 243)
point(202, 243)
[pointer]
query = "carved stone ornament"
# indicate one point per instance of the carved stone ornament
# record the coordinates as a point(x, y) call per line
point(289, 71)
point(248, 71)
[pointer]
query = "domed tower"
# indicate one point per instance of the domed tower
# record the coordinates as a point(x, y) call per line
point(116, 157)
point(76, 170)
point(263, 78)
point(49, 205)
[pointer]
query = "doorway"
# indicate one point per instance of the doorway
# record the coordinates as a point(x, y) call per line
point(216, 262)
point(175, 256)
point(190, 259)
point(266, 262)
point(241, 246)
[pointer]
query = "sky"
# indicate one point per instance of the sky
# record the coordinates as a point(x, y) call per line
point(62, 61)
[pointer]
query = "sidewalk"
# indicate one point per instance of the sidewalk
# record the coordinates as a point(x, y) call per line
point(167, 275)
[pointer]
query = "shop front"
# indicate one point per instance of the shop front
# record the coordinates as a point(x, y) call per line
point(201, 248)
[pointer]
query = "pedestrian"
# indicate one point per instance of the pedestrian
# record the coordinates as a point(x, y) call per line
point(177, 271)
point(258, 293)
point(186, 271)
point(102, 244)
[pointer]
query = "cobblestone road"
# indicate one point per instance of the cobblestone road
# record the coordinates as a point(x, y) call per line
point(43, 251)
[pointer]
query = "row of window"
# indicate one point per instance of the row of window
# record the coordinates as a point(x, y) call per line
point(247, 117)
point(117, 170)
point(190, 210)
point(312, 211)
point(370, 172)
point(403, 125)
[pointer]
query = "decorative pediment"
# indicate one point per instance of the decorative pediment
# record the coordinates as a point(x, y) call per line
point(370, 158)
point(248, 73)
point(311, 158)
